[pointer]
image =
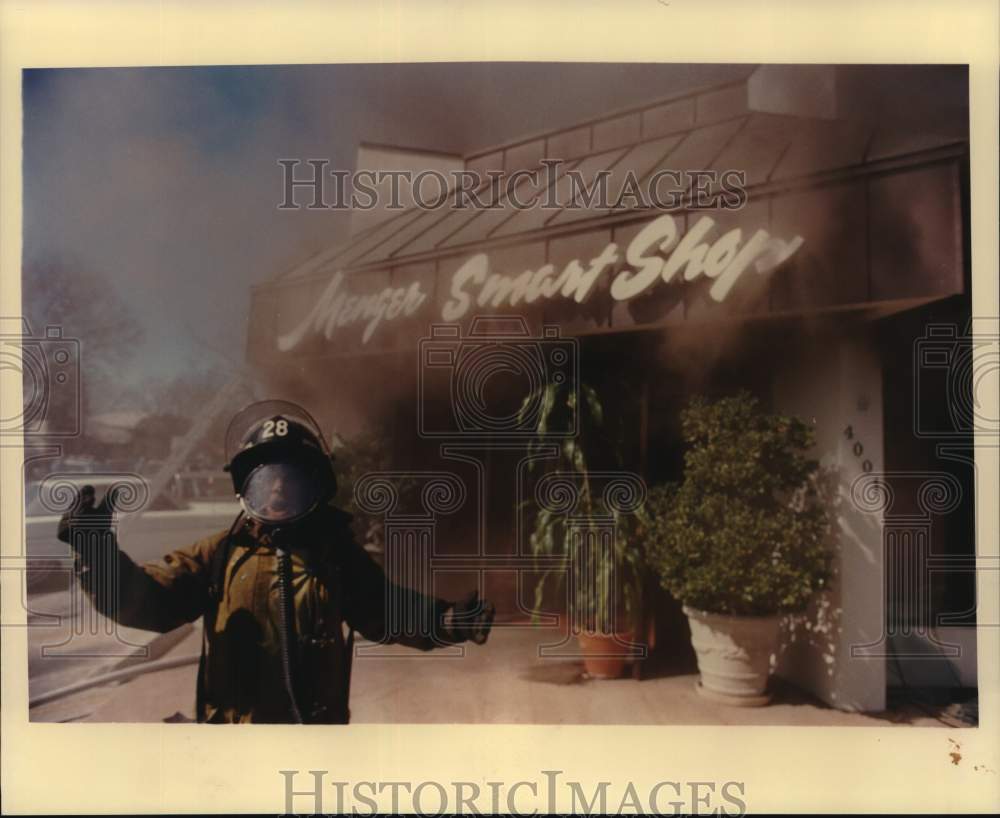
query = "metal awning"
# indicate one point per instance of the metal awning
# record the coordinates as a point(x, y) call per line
point(855, 212)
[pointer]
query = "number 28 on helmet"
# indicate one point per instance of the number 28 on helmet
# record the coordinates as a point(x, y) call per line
point(282, 471)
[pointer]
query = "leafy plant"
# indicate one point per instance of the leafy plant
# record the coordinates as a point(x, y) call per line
point(744, 532)
point(602, 590)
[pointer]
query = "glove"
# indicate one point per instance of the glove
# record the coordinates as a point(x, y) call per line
point(83, 514)
point(469, 619)
point(85, 525)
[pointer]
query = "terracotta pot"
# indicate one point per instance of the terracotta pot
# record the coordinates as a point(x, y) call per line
point(604, 655)
point(734, 655)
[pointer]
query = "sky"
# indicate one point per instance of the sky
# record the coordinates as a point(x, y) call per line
point(163, 183)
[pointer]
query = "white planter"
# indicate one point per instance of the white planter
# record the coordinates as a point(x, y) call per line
point(734, 655)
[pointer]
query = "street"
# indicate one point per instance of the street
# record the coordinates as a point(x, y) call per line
point(67, 640)
point(503, 682)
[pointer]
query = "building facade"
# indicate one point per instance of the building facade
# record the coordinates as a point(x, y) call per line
point(757, 235)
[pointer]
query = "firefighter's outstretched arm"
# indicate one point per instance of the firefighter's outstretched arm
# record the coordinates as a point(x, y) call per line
point(383, 611)
point(156, 596)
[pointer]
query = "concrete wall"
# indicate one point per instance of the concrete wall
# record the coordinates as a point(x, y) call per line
point(835, 382)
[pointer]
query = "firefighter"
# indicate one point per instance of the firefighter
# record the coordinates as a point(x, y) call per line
point(276, 591)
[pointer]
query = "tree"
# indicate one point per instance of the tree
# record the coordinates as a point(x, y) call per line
point(65, 295)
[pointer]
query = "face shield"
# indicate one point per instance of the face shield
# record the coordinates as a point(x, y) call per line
point(276, 493)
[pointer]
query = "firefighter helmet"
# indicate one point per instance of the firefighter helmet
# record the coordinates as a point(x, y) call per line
point(281, 468)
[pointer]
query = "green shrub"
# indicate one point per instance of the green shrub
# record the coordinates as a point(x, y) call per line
point(744, 533)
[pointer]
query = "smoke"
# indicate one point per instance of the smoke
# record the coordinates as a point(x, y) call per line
point(888, 237)
point(164, 181)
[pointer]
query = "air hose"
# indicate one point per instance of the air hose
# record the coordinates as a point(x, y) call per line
point(287, 628)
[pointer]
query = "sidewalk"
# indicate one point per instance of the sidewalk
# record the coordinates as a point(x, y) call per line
point(503, 682)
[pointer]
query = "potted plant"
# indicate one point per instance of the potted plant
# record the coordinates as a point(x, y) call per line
point(585, 510)
point(741, 540)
